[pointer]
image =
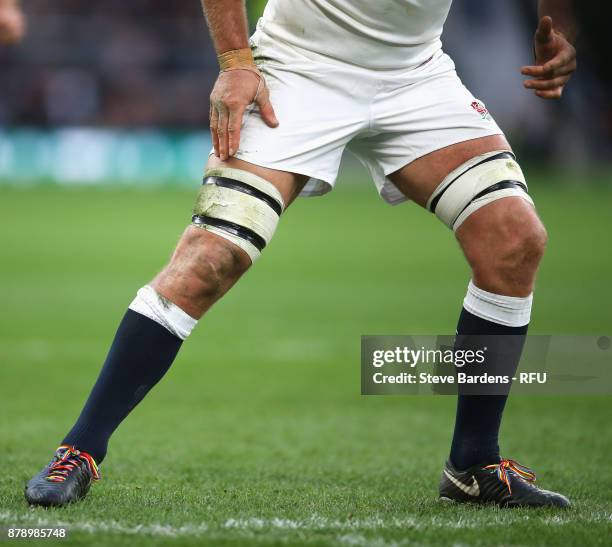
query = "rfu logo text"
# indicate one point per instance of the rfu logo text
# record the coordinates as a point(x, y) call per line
point(532, 377)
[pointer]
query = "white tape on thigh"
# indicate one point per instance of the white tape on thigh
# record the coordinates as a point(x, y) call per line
point(455, 199)
point(240, 207)
point(485, 200)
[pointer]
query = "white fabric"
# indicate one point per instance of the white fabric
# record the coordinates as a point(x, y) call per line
point(249, 178)
point(464, 167)
point(386, 119)
point(237, 207)
point(250, 249)
point(465, 182)
point(240, 208)
point(490, 198)
point(375, 34)
point(511, 311)
point(154, 306)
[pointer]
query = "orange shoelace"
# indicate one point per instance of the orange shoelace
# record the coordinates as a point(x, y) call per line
point(71, 459)
point(504, 466)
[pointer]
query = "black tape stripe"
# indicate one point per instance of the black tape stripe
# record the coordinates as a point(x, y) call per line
point(245, 188)
point(499, 156)
point(232, 228)
point(502, 185)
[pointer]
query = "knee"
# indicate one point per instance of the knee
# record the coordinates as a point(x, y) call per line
point(205, 265)
point(505, 253)
point(521, 246)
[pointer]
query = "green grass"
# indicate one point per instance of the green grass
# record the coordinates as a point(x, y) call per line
point(258, 435)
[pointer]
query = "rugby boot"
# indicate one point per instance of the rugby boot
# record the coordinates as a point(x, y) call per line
point(506, 483)
point(66, 479)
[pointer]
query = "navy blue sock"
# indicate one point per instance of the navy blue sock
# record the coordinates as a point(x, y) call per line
point(140, 355)
point(475, 439)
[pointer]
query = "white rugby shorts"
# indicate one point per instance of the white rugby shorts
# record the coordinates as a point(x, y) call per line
point(387, 119)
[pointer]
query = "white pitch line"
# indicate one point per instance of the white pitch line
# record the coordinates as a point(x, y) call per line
point(313, 523)
point(93, 527)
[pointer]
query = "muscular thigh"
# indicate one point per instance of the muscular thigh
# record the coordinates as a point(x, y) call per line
point(419, 179)
point(503, 240)
point(288, 184)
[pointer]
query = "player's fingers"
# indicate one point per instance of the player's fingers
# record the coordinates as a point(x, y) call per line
point(536, 71)
point(559, 81)
point(233, 129)
point(566, 69)
point(561, 65)
point(544, 31)
point(265, 108)
point(549, 93)
point(214, 121)
point(222, 131)
point(564, 58)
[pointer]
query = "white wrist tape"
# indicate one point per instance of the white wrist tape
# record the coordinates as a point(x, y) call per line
point(154, 306)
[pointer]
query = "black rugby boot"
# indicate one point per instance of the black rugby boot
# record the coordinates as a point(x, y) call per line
point(507, 484)
point(64, 480)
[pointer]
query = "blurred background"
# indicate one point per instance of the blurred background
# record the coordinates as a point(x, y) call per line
point(112, 91)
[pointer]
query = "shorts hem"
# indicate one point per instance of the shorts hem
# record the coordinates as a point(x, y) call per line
point(392, 194)
point(321, 183)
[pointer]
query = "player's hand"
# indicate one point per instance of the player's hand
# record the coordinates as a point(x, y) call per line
point(12, 24)
point(234, 91)
point(555, 61)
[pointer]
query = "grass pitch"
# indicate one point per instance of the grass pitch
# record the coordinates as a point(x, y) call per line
point(258, 434)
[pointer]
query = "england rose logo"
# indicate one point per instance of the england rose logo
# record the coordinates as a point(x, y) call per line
point(481, 109)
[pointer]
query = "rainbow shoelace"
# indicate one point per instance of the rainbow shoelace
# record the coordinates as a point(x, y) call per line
point(70, 460)
point(505, 466)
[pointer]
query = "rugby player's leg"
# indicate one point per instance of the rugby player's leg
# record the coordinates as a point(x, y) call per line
point(503, 242)
point(203, 267)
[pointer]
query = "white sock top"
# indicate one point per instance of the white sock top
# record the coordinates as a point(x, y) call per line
point(511, 311)
point(154, 306)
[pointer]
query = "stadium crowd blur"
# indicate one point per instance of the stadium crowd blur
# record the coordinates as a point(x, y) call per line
point(150, 63)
